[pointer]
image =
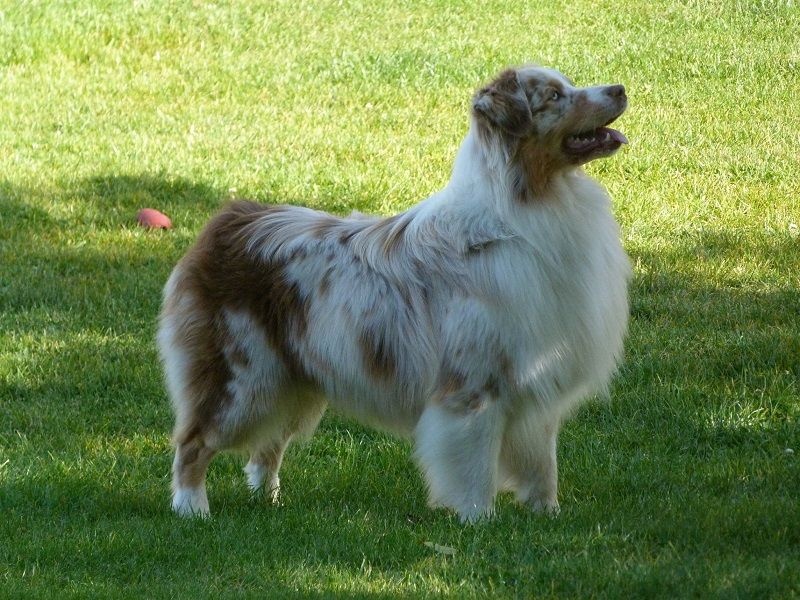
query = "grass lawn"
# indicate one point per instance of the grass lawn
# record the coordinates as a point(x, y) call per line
point(685, 483)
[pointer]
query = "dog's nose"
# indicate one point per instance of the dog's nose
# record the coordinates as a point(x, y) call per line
point(616, 91)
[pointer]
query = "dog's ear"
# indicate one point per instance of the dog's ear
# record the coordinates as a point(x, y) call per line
point(504, 104)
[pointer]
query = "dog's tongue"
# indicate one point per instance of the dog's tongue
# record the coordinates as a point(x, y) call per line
point(602, 137)
point(617, 136)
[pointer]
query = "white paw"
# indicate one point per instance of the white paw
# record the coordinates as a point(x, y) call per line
point(544, 506)
point(256, 473)
point(259, 482)
point(473, 514)
point(190, 502)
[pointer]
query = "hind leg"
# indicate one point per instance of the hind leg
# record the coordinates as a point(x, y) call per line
point(192, 458)
point(262, 469)
point(299, 417)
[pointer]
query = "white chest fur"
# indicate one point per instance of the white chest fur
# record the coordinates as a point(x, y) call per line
point(556, 286)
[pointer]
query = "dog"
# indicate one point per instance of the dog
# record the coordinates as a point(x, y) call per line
point(473, 322)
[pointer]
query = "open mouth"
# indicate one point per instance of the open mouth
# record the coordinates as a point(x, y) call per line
point(602, 140)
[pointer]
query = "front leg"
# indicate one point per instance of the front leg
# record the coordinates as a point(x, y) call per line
point(458, 440)
point(528, 461)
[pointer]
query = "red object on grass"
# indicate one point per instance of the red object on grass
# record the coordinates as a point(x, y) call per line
point(153, 219)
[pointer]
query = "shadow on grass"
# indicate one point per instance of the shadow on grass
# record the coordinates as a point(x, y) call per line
point(111, 202)
point(75, 248)
point(19, 210)
point(730, 324)
point(189, 203)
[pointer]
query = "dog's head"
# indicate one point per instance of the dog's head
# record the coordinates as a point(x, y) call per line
point(546, 123)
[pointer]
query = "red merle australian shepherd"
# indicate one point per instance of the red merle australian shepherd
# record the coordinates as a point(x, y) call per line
point(472, 322)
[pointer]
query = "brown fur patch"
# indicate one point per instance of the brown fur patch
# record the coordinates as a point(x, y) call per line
point(379, 359)
point(219, 274)
point(537, 163)
point(325, 282)
point(450, 382)
point(533, 84)
point(191, 462)
point(504, 104)
point(346, 236)
point(464, 401)
point(322, 228)
point(506, 367)
point(556, 85)
point(272, 456)
point(492, 387)
point(237, 356)
point(396, 235)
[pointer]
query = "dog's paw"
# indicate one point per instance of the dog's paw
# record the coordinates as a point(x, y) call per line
point(191, 502)
point(544, 506)
point(474, 514)
point(262, 482)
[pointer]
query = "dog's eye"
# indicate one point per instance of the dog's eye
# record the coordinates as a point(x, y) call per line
point(555, 96)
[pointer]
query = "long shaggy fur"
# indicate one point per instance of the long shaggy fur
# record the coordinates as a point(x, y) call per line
point(473, 322)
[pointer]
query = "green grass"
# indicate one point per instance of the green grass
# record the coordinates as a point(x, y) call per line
point(681, 485)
